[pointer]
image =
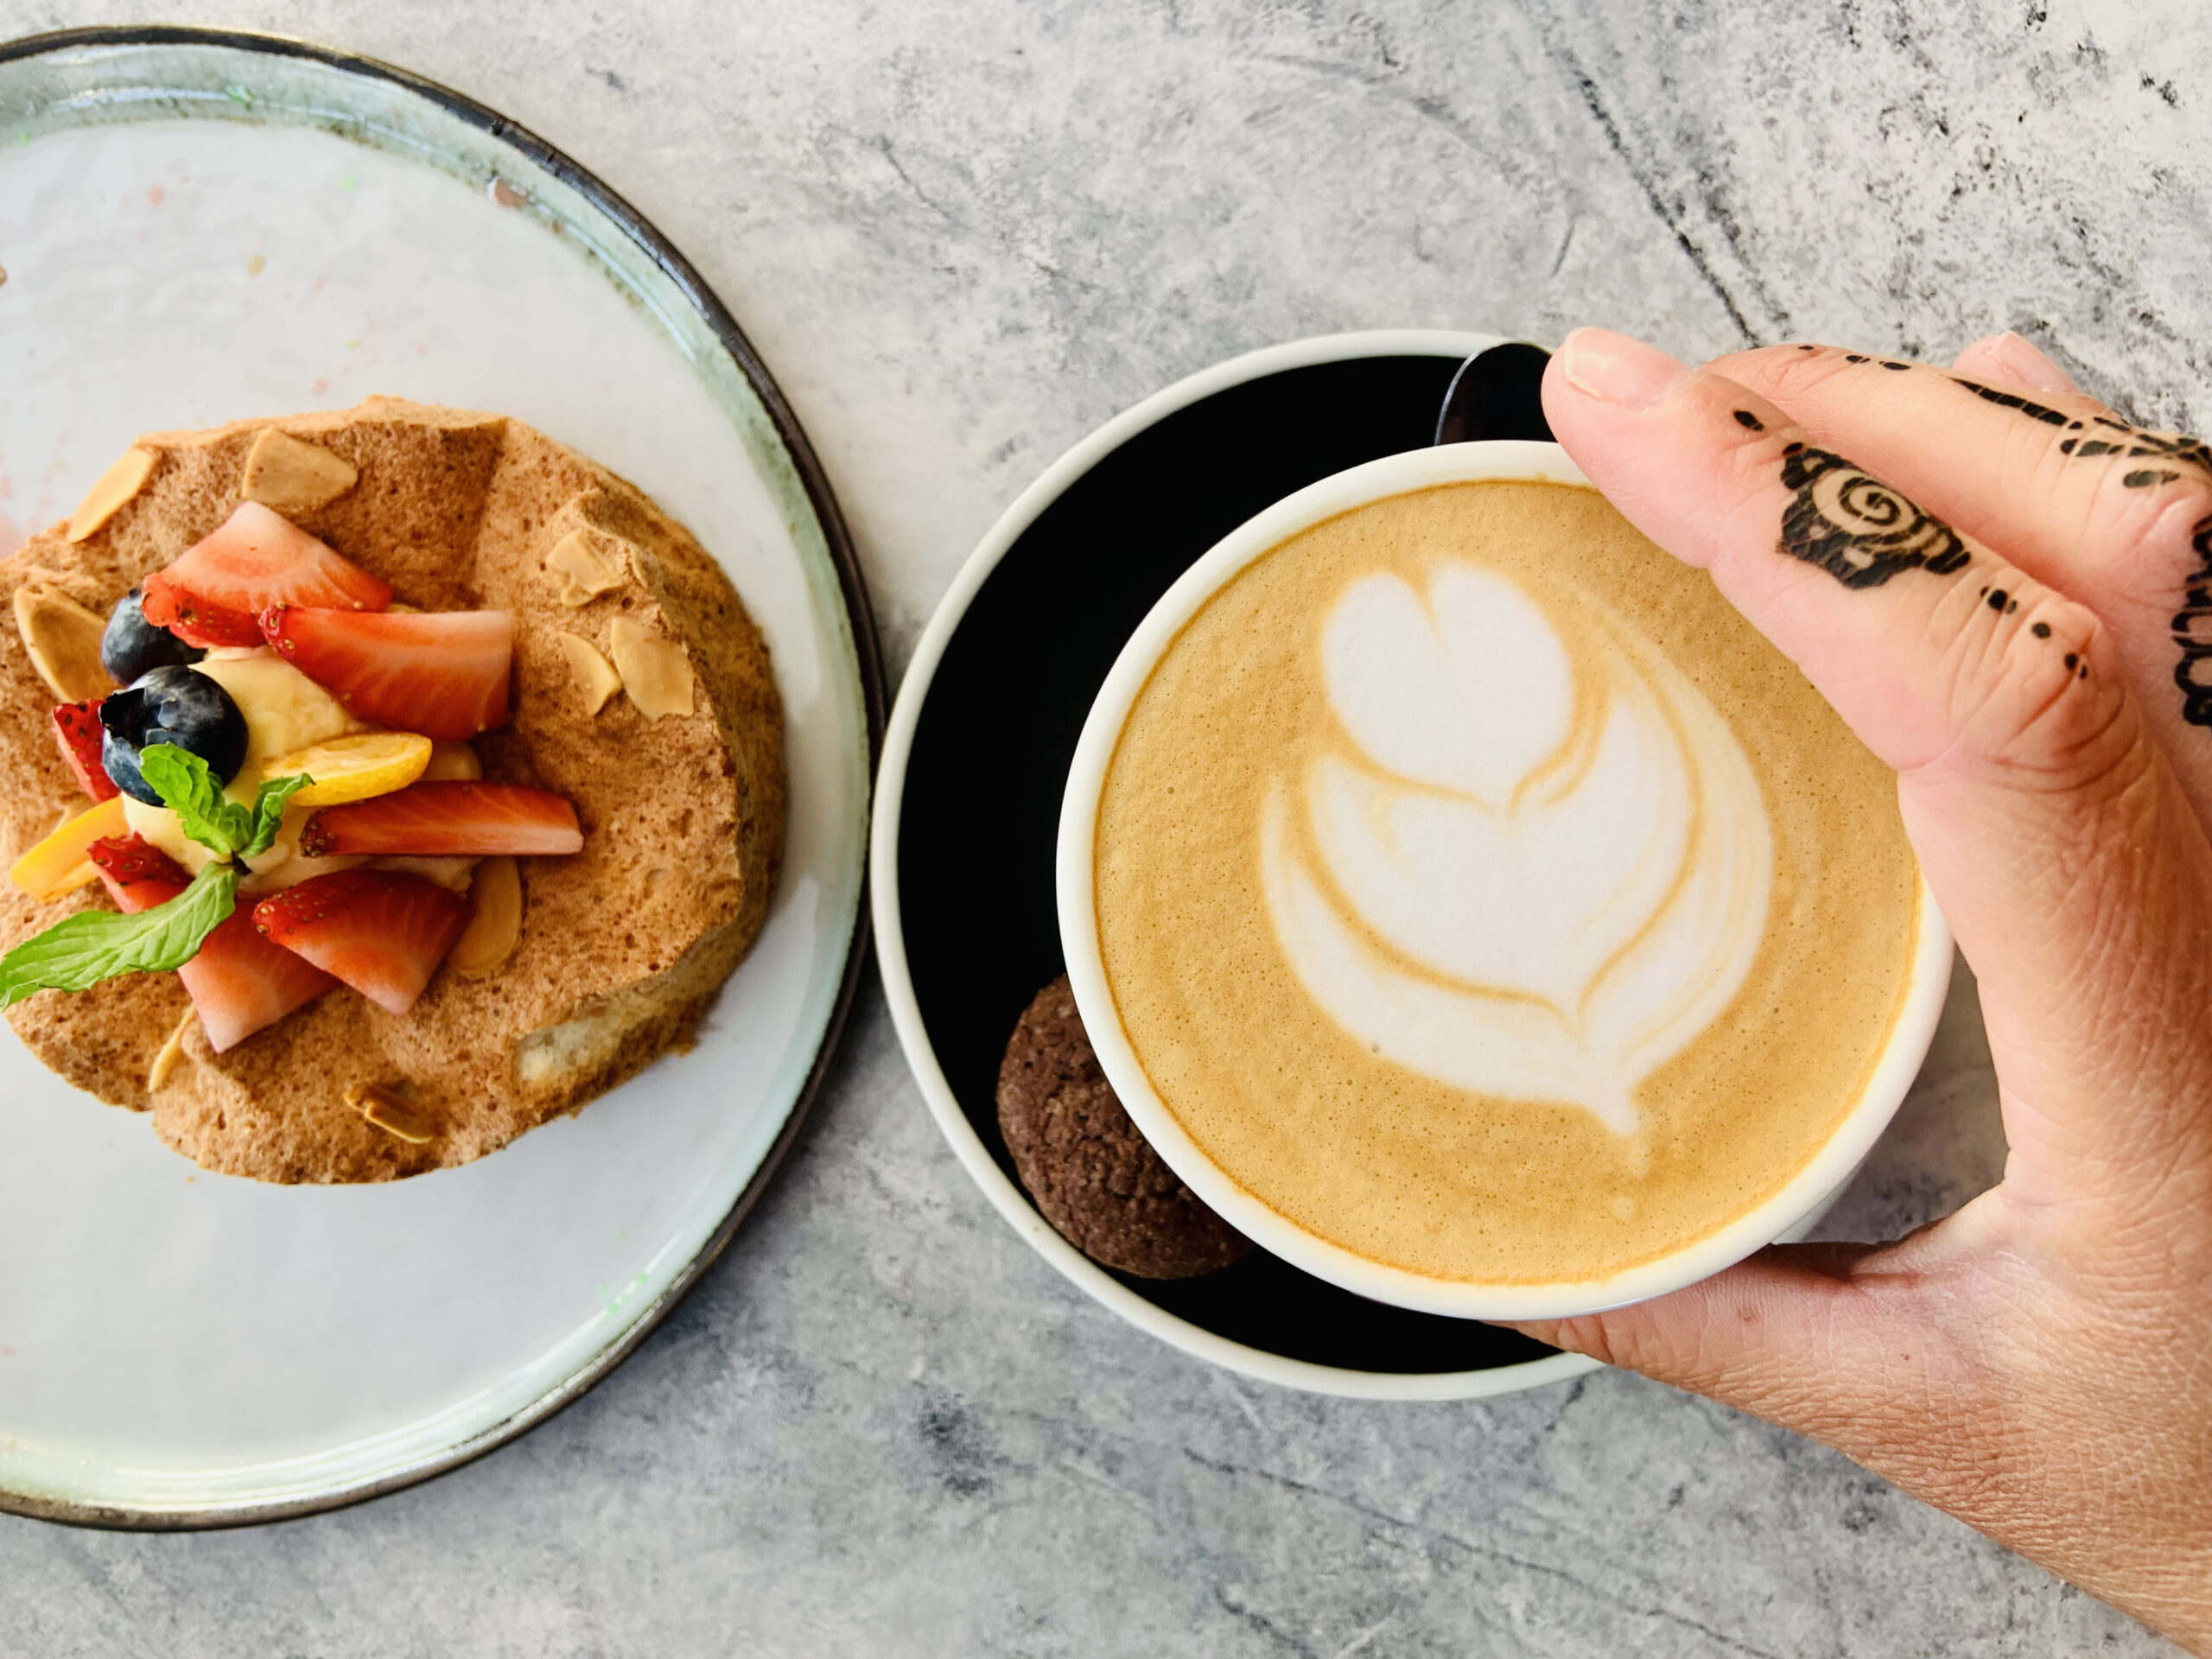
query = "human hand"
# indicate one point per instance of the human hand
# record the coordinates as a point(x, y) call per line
point(2030, 648)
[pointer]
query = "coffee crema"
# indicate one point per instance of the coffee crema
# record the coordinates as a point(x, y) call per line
point(1482, 893)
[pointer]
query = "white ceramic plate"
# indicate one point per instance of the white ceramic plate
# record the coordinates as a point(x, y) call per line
point(197, 227)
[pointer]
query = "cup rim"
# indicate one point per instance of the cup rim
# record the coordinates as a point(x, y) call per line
point(1927, 977)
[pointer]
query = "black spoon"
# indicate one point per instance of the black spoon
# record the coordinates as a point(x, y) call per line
point(1496, 394)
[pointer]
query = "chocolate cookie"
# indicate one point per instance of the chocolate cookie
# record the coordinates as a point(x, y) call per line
point(1094, 1176)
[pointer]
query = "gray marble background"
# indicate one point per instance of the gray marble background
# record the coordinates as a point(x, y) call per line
point(963, 233)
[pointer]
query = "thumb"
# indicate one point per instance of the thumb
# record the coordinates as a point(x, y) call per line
point(1872, 1350)
point(2047, 823)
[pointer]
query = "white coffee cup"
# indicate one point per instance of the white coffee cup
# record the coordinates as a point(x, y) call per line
point(1800, 1199)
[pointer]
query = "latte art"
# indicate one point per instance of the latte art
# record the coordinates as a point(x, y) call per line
point(1479, 892)
point(1524, 873)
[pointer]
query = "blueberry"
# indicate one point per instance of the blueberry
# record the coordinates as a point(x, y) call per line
point(132, 646)
point(175, 704)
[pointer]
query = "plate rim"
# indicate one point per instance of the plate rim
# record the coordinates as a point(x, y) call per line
point(952, 1122)
point(867, 651)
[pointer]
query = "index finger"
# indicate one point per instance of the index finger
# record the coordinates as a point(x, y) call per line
point(1930, 646)
point(2047, 823)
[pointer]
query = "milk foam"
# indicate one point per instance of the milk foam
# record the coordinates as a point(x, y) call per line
point(1527, 871)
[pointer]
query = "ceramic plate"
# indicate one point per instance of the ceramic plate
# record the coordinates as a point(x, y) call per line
point(197, 226)
point(968, 806)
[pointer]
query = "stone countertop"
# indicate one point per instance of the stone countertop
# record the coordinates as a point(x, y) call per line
point(963, 234)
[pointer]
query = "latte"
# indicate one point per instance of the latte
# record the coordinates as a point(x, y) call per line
point(1481, 893)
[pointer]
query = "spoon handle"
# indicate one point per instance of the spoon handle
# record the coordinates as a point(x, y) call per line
point(1496, 394)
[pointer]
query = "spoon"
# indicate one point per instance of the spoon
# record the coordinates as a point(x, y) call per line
point(1495, 394)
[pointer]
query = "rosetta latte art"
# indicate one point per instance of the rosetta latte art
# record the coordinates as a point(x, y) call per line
point(1525, 872)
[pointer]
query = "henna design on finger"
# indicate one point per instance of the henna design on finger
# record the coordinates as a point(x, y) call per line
point(2034, 411)
point(1749, 421)
point(2192, 627)
point(2192, 623)
point(1857, 528)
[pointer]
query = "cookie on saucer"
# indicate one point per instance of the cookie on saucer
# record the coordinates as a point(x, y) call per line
point(1092, 1174)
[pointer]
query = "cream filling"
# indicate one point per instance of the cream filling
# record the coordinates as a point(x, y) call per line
point(285, 711)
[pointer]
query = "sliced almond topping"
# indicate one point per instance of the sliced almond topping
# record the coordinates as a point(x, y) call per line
point(63, 638)
point(114, 487)
point(290, 475)
point(165, 1063)
point(391, 1112)
point(596, 680)
point(453, 763)
point(655, 672)
point(497, 924)
point(577, 571)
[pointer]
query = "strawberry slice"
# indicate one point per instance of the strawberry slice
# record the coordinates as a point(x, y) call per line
point(77, 729)
point(137, 874)
point(198, 624)
point(442, 673)
point(447, 819)
point(215, 593)
point(238, 982)
point(382, 932)
point(241, 983)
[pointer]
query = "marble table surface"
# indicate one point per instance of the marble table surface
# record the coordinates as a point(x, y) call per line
point(963, 233)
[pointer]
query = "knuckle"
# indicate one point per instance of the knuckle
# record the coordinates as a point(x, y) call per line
point(2150, 533)
point(1786, 373)
point(2031, 689)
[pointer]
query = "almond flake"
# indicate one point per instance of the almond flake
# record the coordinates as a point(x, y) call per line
point(63, 639)
point(655, 672)
point(493, 931)
point(165, 1063)
point(391, 1112)
point(292, 476)
point(596, 678)
point(114, 487)
point(576, 570)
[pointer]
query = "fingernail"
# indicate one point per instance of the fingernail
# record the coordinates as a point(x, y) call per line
point(1617, 370)
point(2024, 365)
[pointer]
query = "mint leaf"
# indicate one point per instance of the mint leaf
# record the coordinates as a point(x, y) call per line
point(269, 812)
point(81, 951)
point(186, 785)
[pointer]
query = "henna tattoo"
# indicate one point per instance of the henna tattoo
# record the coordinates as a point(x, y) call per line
point(2192, 628)
point(2009, 400)
point(2192, 623)
point(1857, 529)
point(1749, 422)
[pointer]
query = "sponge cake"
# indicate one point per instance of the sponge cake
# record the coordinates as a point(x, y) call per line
point(677, 779)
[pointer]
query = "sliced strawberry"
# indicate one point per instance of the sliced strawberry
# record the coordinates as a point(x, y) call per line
point(138, 874)
point(442, 673)
point(238, 982)
point(77, 729)
point(241, 983)
point(214, 594)
point(199, 624)
point(446, 820)
point(382, 932)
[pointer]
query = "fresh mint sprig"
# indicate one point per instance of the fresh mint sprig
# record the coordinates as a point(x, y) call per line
point(79, 951)
point(224, 827)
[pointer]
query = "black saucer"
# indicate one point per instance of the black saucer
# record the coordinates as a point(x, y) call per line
point(997, 728)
